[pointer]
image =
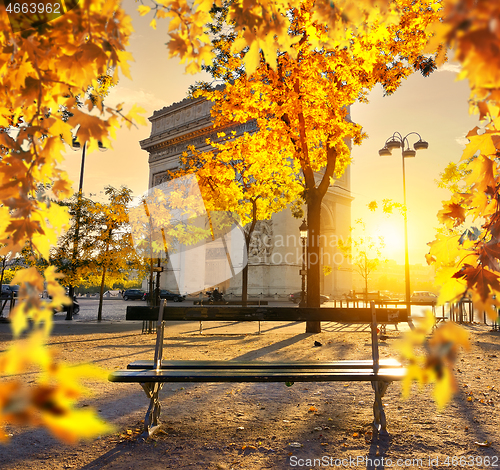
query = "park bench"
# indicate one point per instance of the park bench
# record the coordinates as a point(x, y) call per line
point(152, 374)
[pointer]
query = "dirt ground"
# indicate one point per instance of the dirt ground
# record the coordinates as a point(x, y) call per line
point(261, 426)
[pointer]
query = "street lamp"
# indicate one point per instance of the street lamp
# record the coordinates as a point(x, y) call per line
point(303, 238)
point(76, 145)
point(394, 142)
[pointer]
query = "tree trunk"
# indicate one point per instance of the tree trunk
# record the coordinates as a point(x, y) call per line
point(313, 258)
point(104, 268)
point(1, 284)
point(99, 311)
point(4, 261)
point(248, 237)
point(244, 286)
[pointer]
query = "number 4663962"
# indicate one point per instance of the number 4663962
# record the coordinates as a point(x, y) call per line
point(34, 8)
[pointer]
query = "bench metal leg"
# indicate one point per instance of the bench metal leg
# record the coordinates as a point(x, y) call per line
point(151, 420)
point(379, 422)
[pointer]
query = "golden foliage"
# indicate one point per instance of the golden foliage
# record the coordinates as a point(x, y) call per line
point(470, 260)
point(435, 364)
point(262, 27)
point(46, 74)
point(236, 176)
point(53, 78)
point(50, 401)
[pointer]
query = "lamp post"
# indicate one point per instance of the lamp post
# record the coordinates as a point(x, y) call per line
point(395, 142)
point(303, 238)
point(76, 145)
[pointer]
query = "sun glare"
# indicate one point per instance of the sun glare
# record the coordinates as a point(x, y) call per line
point(393, 237)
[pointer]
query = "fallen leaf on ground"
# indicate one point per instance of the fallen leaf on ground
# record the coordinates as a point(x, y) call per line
point(483, 444)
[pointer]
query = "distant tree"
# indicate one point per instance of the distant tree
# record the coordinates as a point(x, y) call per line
point(71, 262)
point(363, 252)
point(112, 256)
point(105, 251)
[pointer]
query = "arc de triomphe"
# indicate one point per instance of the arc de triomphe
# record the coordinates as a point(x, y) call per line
point(275, 252)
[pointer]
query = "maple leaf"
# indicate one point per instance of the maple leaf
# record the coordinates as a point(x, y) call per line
point(489, 254)
point(480, 279)
point(452, 215)
point(143, 10)
point(44, 76)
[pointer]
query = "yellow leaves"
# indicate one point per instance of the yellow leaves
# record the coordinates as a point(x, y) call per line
point(436, 6)
point(485, 143)
point(76, 425)
point(265, 26)
point(436, 366)
point(91, 130)
point(30, 306)
point(153, 23)
point(143, 10)
point(450, 335)
point(49, 402)
point(451, 288)
point(134, 115)
point(452, 215)
point(42, 72)
point(474, 46)
point(444, 389)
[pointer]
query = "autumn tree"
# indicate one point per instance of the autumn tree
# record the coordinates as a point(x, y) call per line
point(363, 252)
point(301, 106)
point(46, 72)
point(466, 250)
point(113, 253)
point(73, 264)
point(236, 177)
point(104, 249)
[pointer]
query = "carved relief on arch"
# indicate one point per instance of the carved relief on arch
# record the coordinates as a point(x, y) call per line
point(261, 242)
point(159, 178)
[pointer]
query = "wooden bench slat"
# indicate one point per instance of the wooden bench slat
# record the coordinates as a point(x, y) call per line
point(288, 314)
point(354, 364)
point(231, 302)
point(256, 375)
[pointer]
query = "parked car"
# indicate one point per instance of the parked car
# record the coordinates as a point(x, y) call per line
point(375, 296)
point(15, 290)
point(296, 296)
point(133, 294)
point(168, 295)
point(6, 292)
point(9, 291)
point(423, 296)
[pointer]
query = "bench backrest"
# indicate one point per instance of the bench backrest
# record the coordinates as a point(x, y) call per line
point(161, 314)
point(350, 315)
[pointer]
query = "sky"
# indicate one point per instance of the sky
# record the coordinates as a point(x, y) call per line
point(435, 107)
